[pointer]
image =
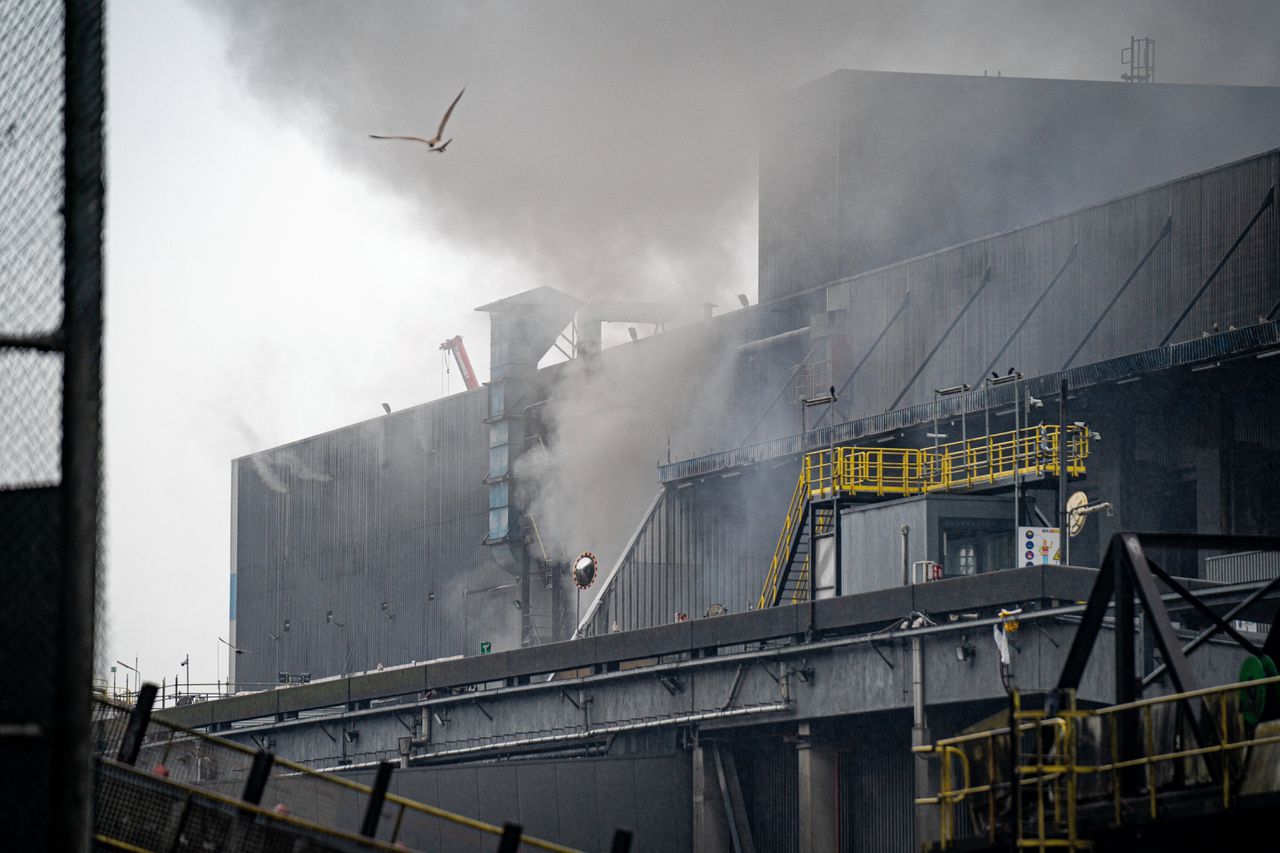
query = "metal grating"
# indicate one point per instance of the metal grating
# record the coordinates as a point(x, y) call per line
point(51, 203)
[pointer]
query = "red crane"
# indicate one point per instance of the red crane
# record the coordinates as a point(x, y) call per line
point(454, 345)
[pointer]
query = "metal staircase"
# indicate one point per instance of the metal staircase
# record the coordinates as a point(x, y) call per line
point(833, 474)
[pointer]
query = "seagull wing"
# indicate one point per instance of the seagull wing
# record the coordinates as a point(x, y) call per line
point(447, 113)
point(405, 138)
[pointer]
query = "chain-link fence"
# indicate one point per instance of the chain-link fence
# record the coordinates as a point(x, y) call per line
point(145, 785)
point(51, 203)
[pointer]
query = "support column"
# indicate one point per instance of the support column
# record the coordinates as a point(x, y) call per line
point(925, 783)
point(818, 778)
point(710, 823)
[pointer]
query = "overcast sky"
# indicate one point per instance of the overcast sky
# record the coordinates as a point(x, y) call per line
point(272, 273)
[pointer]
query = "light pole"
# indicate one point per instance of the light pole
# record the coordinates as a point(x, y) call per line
point(134, 670)
point(238, 651)
point(328, 617)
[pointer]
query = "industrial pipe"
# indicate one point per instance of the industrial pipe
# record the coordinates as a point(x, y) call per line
point(917, 682)
point(675, 720)
point(906, 559)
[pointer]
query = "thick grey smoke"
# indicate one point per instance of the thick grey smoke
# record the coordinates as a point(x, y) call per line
point(611, 146)
point(610, 423)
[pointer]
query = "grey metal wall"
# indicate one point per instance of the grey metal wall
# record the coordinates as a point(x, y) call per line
point(1242, 568)
point(701, 546)
point(578, 802)
point(876, 788)
point(1208, 212)
point(389, 510)
point(393, 509)
point(860, 169)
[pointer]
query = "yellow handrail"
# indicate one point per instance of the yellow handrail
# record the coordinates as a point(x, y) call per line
point(1054, 773)
point(977, 462)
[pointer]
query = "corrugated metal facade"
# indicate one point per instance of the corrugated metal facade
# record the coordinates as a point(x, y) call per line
point(389, 510)
point(699, 547)
point(767, 772)
point(713, 536)
point(1208, 212)
point(1243, 568)
point(393, 509)
point(859, 169)
point(876, 782)
point(578, 802)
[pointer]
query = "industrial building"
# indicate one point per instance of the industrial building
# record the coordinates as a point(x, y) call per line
point(1062, 287)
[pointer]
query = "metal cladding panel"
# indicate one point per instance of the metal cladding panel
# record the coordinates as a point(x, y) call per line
point(618, 807)
point(336, 692)
point(498, 794)
point(876, 790)
point(394, 682)
point(1242, 568)
point(577, 803)
point(644, 642)
point(537, 796)
point(664, 791)
point(459, 792)
point(424, 787)
point(1209, 212)
point(390, 510)
point(742, 627)
point(893, 165)
point(868, 609)
point(768, 771)
point(952, 593)
point(703, 545)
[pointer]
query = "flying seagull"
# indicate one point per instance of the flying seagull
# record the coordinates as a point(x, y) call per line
point(439, 149)
point(435, 140)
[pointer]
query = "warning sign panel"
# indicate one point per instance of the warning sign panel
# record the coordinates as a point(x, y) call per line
point(1039, 545)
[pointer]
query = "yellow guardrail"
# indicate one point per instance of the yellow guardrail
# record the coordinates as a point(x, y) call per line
point(1053, 770)
point(972, 463)
point(958, 465)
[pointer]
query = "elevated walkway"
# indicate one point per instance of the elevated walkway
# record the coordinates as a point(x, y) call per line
point(867, 473)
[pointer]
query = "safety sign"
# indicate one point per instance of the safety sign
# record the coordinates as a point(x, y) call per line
point(1039, 545)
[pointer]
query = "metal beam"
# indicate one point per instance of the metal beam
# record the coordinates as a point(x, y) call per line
point(1071, 256)
point(1266, 202)
point(986, 279)
point(1170, 647)
point(377, 796)
point(866, 355)
point(1203, 609)
point(1160, 238)
point(259, 775)
point(1090, 624)
point(1204, 635)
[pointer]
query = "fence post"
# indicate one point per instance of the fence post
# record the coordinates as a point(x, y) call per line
point(373, 811)
point(259, 774)
point(136, 729)
point(510, 842)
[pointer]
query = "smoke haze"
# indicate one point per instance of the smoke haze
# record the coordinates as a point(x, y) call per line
point(612, 147)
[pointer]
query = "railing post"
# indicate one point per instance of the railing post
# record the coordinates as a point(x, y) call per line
point(136, 729)
point(259, 775)
point(510, 841)
point(621, 841)
point(373, 811)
